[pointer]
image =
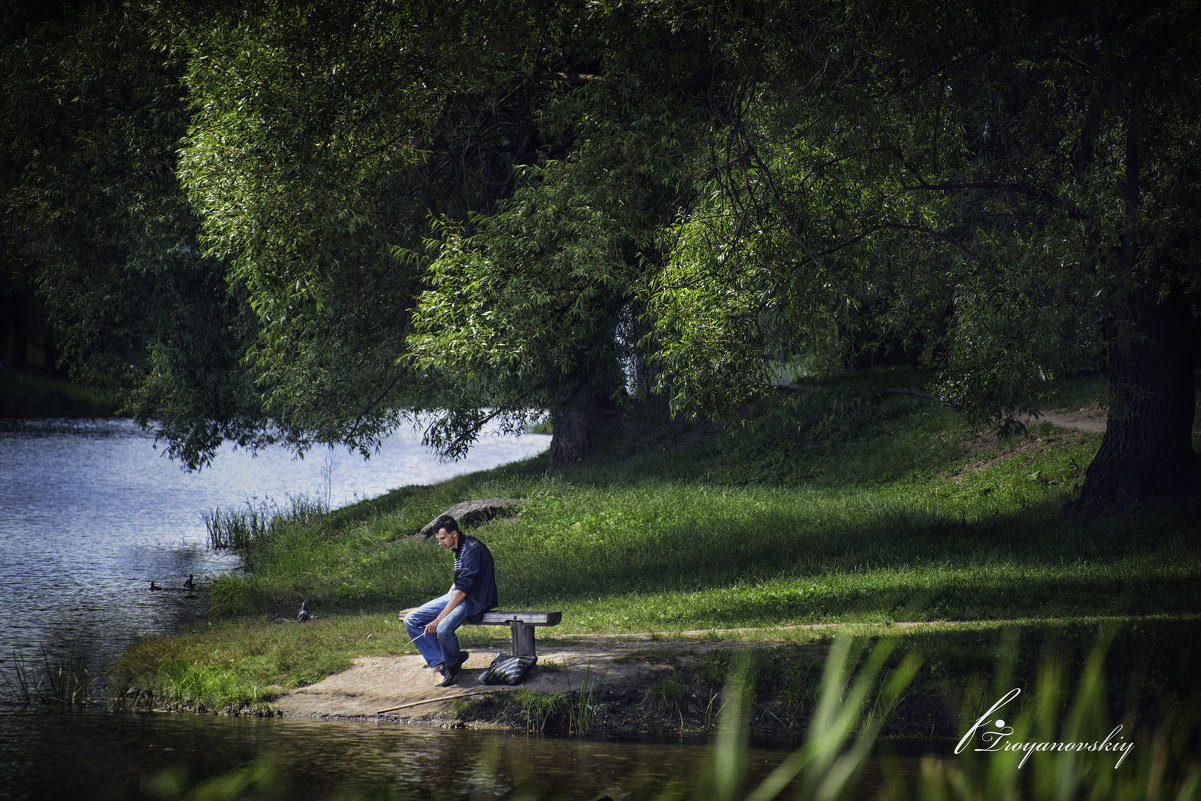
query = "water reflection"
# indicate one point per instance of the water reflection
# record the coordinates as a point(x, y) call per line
point(128, 754)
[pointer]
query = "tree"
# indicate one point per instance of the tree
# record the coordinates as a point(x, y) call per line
point(441, 207)
point(97, 222)
point(1023, 171)
point(534, 307)
point(278, 313)
point(317, 160)
point(321, 142)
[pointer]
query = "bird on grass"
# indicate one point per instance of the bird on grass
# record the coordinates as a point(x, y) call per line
point(305, 614)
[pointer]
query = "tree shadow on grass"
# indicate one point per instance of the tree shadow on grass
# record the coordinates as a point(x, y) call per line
point(801, 568)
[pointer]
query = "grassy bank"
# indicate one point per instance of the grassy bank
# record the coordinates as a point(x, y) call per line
point(41, 394)
point(855, 502)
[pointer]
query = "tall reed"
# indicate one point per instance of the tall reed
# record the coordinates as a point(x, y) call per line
point(238, 529)
point(56, 680)
point(581, 714)
point(1050, 747)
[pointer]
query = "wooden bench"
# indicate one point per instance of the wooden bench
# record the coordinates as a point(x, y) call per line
point(521, 627)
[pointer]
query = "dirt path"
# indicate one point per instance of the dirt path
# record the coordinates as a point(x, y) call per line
point(400, 688)
point(1089, 419)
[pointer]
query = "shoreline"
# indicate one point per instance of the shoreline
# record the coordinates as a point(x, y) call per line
point(638, 691)
point(656, 686)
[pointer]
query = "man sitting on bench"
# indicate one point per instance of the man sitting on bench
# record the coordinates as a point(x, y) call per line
point(432, 626)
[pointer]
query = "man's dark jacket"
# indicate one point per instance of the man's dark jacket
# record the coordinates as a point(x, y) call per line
point(475, 576)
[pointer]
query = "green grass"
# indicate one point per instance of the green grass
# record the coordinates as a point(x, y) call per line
point(851, 502)
point(246, 663)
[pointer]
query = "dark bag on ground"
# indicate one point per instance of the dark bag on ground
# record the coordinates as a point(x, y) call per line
point(506, 669)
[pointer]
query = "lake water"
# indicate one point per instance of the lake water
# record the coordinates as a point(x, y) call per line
point(128, 756)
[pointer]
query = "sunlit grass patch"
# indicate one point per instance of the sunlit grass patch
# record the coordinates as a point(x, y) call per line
point(1132, 586)
point(247, 663)
point(956, 535)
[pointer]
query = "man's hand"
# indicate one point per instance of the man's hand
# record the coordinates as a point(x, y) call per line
point(457, 597)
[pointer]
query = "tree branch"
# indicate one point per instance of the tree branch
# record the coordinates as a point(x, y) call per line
point(1014, 187)
point(355, 429)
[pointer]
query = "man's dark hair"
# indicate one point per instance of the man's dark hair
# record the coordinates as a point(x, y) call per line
point(446, 522)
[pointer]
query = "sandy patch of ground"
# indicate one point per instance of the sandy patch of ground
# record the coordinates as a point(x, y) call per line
point(400, 688)
point(627, 681)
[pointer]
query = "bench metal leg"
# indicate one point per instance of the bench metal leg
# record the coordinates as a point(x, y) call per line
point(522, 636)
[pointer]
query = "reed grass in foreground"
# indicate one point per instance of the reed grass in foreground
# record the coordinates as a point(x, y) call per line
point(1059, 739)
point(1060, 742)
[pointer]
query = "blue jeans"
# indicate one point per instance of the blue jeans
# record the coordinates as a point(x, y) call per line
point(444, 649)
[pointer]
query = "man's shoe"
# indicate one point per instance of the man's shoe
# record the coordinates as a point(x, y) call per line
point(448, 675)
point(448, 672)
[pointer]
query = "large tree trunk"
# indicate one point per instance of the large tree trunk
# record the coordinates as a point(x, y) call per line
point(578, 425)
point(1146, 455)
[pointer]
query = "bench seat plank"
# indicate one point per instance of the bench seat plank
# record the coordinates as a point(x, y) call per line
point(503, 618)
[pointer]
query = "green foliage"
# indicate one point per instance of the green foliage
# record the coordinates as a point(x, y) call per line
point(859, 214)
point(539, 707)
point(350, 215)
point(298, 169)
point(91, 120)
point(531, 306)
